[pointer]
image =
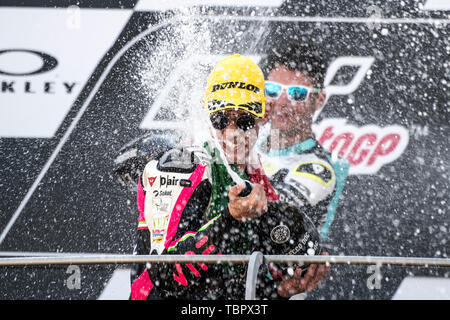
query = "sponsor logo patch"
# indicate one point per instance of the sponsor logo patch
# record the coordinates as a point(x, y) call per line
point(280, 234)
point(235, 84)
point(151, 180)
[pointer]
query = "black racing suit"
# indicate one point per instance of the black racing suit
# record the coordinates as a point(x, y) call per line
point(184, 223)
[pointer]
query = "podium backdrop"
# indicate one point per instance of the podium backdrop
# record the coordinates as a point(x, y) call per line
point(77, 82)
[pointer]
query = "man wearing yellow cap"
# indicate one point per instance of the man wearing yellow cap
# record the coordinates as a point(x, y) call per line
point(191, 199)
point(235, 100)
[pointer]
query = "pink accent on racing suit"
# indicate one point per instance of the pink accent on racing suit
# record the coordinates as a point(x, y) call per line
point(140, 199)
point(141, 287)
point(183, 198)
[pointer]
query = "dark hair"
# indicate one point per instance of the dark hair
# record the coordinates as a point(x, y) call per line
point(297, 56)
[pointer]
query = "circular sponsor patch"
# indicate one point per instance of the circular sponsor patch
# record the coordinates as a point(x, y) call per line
point(280, 234)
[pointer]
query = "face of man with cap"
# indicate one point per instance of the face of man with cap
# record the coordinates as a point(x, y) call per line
point(235, 100)
point(237, 142)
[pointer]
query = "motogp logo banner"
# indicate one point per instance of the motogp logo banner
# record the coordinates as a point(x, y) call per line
point(366, 148)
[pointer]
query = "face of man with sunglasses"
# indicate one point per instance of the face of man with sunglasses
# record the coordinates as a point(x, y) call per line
point(291, 103)
point(237, 131)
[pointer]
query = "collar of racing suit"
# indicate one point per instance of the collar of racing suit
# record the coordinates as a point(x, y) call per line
point(297, 148)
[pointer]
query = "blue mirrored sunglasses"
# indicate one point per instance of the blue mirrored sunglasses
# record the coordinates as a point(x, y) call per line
point(295, 93)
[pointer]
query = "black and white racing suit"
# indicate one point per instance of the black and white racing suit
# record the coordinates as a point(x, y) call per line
point(175, 196)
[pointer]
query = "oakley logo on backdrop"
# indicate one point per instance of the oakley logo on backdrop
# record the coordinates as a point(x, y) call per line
point(23, 62)
point(41, 76)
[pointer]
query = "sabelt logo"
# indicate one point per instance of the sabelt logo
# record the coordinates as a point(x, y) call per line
point(21, 65)
point(366, 148)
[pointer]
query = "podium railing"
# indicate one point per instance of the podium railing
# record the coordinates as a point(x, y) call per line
point(254, 261)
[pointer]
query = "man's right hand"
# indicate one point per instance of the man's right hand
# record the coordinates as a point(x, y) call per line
point(252, 206)
point(299, 283)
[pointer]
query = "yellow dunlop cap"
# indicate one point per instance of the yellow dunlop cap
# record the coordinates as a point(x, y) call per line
point(236, 82)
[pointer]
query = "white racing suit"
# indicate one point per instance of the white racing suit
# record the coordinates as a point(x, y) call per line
point(306, 176)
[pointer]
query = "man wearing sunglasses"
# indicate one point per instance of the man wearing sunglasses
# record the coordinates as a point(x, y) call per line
point(190, 201)
point(302, 172)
